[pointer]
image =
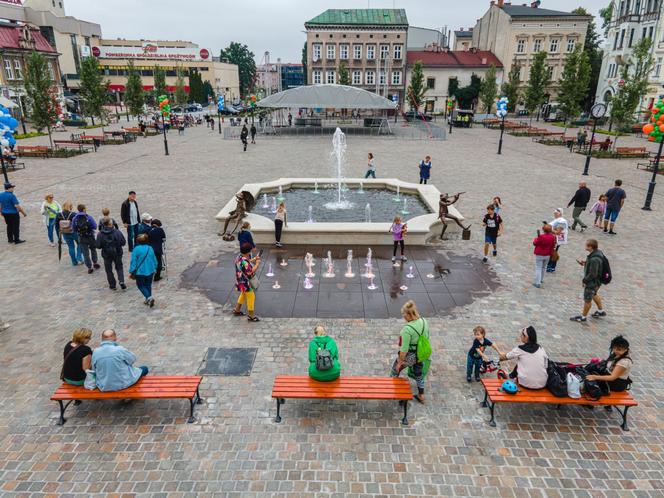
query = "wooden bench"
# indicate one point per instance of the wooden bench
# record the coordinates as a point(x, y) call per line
point(148, 387)
point(493, 395)
point(631, 152)
point(43, 151)
point(69, 144)
point(14, 165)
point(304, 387)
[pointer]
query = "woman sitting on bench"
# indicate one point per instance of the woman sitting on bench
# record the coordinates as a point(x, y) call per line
point(324, 363)
point(9, 156)
point(531, 360)
point(618, 366)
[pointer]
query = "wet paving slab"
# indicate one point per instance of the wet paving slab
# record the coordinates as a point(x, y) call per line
point(436, 279)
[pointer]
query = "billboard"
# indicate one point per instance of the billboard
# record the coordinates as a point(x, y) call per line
point(151, 51)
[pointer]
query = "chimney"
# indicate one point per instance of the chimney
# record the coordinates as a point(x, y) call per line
point(484, 61)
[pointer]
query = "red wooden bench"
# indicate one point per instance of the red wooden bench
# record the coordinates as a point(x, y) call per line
point(148, 387)
point(493, 395)
point(304, 387)
point(631, 152)
point(71, 144)
point(33, 151)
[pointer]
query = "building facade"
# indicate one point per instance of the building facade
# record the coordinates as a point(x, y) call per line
point(463, 39)
point(632, 21)
point(441, 66)
point(273, 78)
point(370, 42)
point(515, 33)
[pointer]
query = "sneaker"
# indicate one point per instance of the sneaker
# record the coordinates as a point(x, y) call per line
point(537, 285)
point(112, 288)
point(599, 313)
point(394, 258)
point(90, 270)
point(477, 379)
point(145, 301)
point(606, 230)
point(151, 302)
point(123, 287)
point(19, 241)
point(51, 244)
point(468, 379)
point(96, 266)
point(611, 232)
point(484, 259)
point(583, 229)
point(578, 318)
point(404, 258)
point(495, 253)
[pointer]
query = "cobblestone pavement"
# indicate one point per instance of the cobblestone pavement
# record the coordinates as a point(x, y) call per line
point(325, 448)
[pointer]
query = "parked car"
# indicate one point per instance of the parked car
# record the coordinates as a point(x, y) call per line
point(194, 108)
point(229, 110)
point(412, 115)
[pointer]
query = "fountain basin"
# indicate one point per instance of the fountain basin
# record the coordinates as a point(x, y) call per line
point(421, 227)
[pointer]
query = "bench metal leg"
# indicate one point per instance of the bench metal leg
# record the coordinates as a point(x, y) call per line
point(404, 420)
point(280, 402)
point(63, 407)
point(492, 422)
point(484, 403)
point(196, 400)
point(623, 414)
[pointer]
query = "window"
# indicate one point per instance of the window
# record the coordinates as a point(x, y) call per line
point(357, 51)
point(658, 67)
point(644, 33)
point(553, 47)
point(330, 51)
point(650, 32)
point(549, 72)
point(381, 77)
point(396, 77)
point(343, 51)
point(371, 52)
point(397, 52)
point(431, 83)
point(631, 38)
point(17, 69)
point(570, 44)
point(537, 45)
point(317, 52)
point(615, 40)
point(370, 78)
point(520, 46)
point(318, 78)
point(610, 71)
point(357, 77)
point(622, 38)
point(330, 78)
point(384, 51)
point(9, 72)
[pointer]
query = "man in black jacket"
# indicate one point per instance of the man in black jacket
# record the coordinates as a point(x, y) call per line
point(131, 217)
point(110, 241)
point(580, 200)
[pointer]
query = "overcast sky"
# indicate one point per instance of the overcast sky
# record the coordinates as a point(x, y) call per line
point(273, 25)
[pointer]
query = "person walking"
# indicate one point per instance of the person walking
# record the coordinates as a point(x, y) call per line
point(290, 119)
point(157, 239)
point(243, 136)
point(253, 133)
point(580, 200)
point(85, 227)
point(66, 229)
point(245, 236)
point(280, 221)
point(425, 170)
point(592, 281)
point(143, 267)
point(410, 334)
point(545, 245)
point(560, 228)
point(245, 269)
point(371, 167)
point(398, 230)
point(145, 225)
point(110, 240)
point(493, 228)
point(50, 209)
point(106, 213)
point(615, 200)
point(324, 363)
point(131, 216)
point(10, 208)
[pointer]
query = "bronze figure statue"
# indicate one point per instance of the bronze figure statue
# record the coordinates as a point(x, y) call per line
point(244, 204)
point(444, 213)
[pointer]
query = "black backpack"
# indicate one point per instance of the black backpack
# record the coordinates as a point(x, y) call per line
point(323, 358)
point(556, 381)
point(109, 246)
point(83, 226)
point(606, 276)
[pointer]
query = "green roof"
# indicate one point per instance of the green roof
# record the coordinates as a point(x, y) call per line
point(381, 17)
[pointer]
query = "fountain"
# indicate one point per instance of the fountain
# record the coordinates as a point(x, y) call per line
point(265, 204)
point(369, 272)
point(398, 197)
point(404, 287)
point(339, 153)
point(309, 262)
point(361, 190)
point(311, 217)
point(330, 266)
point(274, 205)
point(369, 256)
point(349, 265)
point(367, 213)
point(269, 273)
point(410, 273)
point(276, 285)
point(281, 197)
point(404, 209)
point(316, 188)
point(283, 262)
point(372, 286)
point(307, 283)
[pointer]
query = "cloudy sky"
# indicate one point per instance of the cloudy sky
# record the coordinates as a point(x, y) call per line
point(274, 25)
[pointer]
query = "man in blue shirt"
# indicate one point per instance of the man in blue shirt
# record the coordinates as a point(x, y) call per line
point(11, 207)
point(114, 365)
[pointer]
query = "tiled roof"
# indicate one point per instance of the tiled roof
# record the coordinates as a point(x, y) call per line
point(527, 11)
point(380, 17)
point(454, 58)
point(9, 39)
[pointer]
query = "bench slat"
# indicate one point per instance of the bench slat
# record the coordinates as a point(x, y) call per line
point(146, 387)
point(342, 388)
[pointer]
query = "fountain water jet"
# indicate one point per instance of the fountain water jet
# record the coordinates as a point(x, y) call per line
point(274, 205)
point(361, 191)
point(410, 273)
point(404, 209)
point(398, 197)
point(349, 265)
point(316, 188)
point(265, 205)
point(309, 262)
point(367, 213)
point(372, 286)
point(330, 266)
point(307, 283)
point(276, 285)
point(311, 218)
point(280, 197)
point(269, 273)
point(339, 153)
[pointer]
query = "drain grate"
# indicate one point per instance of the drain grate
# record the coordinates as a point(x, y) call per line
point(233, 362)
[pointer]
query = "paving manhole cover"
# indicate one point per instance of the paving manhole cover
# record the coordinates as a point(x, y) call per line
point(228, 361)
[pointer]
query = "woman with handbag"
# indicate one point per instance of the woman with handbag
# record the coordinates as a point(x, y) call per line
point(77, 358)
point(246, 281)
point(142, 268)
point(50, 209)
point(66, 230)
point(618, 366)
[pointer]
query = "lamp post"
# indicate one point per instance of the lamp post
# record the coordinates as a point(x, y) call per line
point(597, 111)
point(450, 108)
point(651, 185)
point(163, 123)
point(501, 112)
point(4, 168)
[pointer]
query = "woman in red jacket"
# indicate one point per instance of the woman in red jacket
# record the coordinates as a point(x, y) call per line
point(545, 245)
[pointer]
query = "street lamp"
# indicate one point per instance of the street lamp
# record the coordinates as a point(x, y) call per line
point(651, 185)
point(501, 112)
point(4, 168)
point(597, 111)
point(450, 108)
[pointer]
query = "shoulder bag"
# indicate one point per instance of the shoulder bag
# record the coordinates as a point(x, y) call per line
point(131, 275)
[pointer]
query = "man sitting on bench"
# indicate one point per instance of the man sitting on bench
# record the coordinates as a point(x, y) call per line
point(9, 156)
point(113, 364)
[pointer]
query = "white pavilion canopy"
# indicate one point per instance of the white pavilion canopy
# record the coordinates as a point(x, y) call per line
point(327, 96)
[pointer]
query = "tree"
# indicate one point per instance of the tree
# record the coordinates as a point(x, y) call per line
point(467, 96)
point(510, 88)
point(633, 86)
point(241, 56)
point(488, 89)
point(573, 83)
point(93, 88)
point(40, 93)
point(159, 83)
point(208, 91)
point(180, 93)
point(452, 86)
point(304, 61)
point(606, 13)
point(134, 96)
point(196, 92)
point(416, 89)
point(344, 75)
point(591, 47)
point(538, 81)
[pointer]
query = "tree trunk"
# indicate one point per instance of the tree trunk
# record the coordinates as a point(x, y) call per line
point(50, 138)
point(93, 120)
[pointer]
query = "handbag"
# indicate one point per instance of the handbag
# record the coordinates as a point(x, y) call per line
point(90, 382)
point(254, 283)
point(555, 256)
point(62, 371)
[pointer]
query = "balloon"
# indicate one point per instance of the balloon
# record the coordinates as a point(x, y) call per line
point(4, 142)
point(647, 129)
point(12, 140)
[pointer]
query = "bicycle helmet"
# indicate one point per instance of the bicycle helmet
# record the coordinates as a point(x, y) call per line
point(509, 387)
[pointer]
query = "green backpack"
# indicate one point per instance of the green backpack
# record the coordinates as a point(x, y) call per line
point(424, 349)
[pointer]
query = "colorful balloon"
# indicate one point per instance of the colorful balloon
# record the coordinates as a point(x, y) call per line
point(648, 129)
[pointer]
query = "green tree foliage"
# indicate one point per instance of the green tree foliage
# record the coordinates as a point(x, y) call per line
point(606, 14)
point(416, 89)
point(196, 91)
point(208, 91)
point(538, 81)
point(344, 75)
point(488, 89)
point(93, 88)
point(510, 87)
point(40, 93)
point(452, 86)
point(134, 96)
point(467, 96)
point(240, 55)
point(591, 47)
point(180, 93)
point(304, 61)
point(159, 83)
point(574, 82)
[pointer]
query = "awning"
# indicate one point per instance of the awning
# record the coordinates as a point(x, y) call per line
point(147, 88)
point(327, 96)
